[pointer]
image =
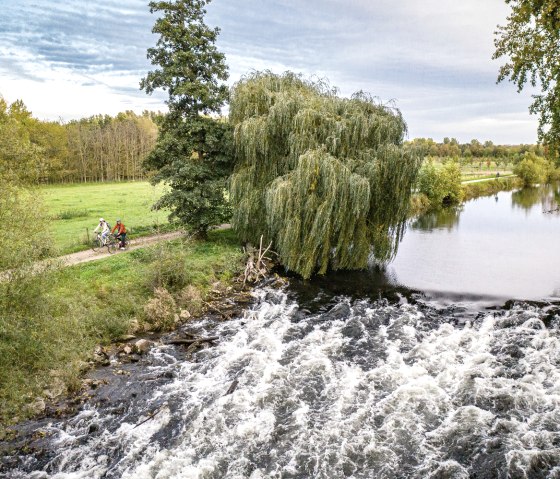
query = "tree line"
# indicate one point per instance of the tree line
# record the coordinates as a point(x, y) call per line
point(476, 150)
point(98, 148)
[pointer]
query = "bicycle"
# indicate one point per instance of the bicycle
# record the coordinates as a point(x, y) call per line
point(126, 242)
point(99, 242)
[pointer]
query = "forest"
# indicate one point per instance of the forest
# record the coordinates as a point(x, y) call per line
point(94, 149)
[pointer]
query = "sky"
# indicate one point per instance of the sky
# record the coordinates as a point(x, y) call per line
point(73, 58)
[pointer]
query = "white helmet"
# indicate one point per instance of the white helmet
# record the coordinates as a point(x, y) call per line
point(101, 220)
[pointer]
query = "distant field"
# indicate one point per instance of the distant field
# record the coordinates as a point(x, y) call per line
point(73, 208)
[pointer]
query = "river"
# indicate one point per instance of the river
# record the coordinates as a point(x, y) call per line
point(419, 371)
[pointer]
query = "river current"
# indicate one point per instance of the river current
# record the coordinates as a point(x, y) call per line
point(329, 379)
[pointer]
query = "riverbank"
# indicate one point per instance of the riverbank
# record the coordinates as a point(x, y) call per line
point(48, 343)
point(420, 203)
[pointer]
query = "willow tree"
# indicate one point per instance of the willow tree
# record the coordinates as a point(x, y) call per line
point(326, 179)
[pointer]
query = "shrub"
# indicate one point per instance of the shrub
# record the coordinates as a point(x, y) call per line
point(190, 299)
point(441, 184)
point(160, 310)
point(71, 214)
point(169, 270)
point(534, 169)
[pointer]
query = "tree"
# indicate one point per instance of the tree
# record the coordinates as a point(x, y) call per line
point(533, 169)
point(193, 150)
point(531, 40)
point(440, 183)
point(326, 179)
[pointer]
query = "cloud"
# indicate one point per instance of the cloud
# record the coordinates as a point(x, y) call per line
point(433, 57)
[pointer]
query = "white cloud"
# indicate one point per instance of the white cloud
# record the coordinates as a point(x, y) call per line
point(74, 58)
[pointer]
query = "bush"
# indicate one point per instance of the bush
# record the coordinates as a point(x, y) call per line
point(441, 184)
point(533, 169)
point(160, 310)
point(170, 269)
point(190, 299)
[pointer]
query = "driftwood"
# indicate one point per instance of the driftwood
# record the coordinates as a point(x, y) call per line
point(232, 387)
point(192, 341)
point(225, 315)
point(256, 267)
point(150, 416)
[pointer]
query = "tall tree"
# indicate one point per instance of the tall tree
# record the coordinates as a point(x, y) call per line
point(193, 152)
point(531, 40)
point(326, 179)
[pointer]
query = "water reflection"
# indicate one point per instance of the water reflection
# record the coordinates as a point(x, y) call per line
point(445, 218)
point(547, 197)
point(506, 248)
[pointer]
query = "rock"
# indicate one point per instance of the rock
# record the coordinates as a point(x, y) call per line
point(94, 427)
point(143, 346)
point(127, 350)
point(184, 315)
point(38, 406)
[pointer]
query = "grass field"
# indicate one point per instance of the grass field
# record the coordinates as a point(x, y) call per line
point(73, 208)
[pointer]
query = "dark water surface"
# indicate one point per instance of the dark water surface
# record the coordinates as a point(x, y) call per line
point(506, 246)
point(351, 375)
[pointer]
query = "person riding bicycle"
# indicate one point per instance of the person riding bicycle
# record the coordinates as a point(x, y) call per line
point(120, 233)
point(103, 228)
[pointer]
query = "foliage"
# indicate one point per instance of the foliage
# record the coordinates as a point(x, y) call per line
point(325, 178)
point(534, 169)
point(440, 183)
point(19, 157)
point(99, 148)
point(531, 41)
point(24, 287)
point(196, 197)
point(475, 151)
point(25, 238)
point(160, 310)
point(193, 151)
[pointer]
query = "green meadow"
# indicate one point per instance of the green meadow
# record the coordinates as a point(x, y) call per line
point(76, 208)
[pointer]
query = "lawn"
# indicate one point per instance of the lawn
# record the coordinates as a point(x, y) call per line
point(77, 207)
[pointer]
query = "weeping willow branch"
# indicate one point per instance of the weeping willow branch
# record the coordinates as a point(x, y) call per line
point(325, 179)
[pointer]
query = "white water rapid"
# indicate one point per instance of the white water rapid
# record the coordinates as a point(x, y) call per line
point(363, 390)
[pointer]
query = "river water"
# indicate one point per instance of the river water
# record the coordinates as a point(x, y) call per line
point(364, 375)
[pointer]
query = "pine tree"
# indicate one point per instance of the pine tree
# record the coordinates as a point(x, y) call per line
point(193, 151)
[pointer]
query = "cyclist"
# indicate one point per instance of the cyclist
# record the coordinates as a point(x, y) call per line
point(104, 228)
point(120, 233)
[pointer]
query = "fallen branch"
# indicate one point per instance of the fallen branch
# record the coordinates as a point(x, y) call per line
point(256, 267)
point(192, 341)
point(225, 315)
point(150, 416)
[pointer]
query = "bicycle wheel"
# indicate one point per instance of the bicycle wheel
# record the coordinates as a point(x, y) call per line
point(111, 247)
point(96, 244)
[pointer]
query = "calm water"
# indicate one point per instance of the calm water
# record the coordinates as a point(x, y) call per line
point(506, 246)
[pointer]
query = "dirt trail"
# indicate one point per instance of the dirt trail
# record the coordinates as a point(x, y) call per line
point(89, 255)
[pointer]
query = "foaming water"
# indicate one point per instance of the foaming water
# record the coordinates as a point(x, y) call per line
point(364, 389)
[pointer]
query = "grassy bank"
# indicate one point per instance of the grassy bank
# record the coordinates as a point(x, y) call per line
point(45, 343)
point(486, 188)
point(73, 208)
point(421, 203)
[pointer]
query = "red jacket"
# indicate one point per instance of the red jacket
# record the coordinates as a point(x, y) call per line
point(121, 229)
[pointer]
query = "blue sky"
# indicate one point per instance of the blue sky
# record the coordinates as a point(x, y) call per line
point(74, 58)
